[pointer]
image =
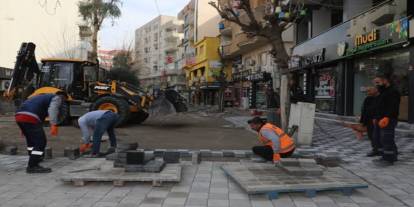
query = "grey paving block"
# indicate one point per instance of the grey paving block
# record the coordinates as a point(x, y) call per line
point(122, 147)
point(217, 154)
point(205, 153)
point(184, 153)
point(135, 157)
point(228, 153)
point(112, 156)
point(154, 166)
point(48, 153)
point(171, 157)
point(252, 176)
point(11, 150)
point(72, 152)
point(159, 152)
point(196, 158)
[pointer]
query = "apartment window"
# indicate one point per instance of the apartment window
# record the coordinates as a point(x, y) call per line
point(145, 60)
point(201, 50)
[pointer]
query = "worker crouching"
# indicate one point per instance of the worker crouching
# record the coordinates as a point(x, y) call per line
point(277, 144)
point(99, 122)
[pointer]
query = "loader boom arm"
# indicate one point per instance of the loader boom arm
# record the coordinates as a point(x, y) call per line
point(24, 70)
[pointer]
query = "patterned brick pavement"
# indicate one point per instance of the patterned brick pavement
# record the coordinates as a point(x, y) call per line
point(207, 185)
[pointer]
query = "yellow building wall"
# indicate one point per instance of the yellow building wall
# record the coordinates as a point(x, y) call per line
point(207, 55)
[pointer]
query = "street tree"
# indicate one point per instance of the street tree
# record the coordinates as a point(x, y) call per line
point(122, 67)
point(221, 78)
point(94, 12)
point(279, 16)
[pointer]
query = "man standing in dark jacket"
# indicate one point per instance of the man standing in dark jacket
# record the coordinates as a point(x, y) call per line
point(386, 118)
point(367, 116)
point(30, 117)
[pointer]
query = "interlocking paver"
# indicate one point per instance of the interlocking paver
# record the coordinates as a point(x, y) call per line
point(206, 184)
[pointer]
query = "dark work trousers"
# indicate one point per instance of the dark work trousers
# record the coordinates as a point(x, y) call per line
point(266, 152)
point(105, 123)
point(36, 141)
point(375, 139)
point(387, 138)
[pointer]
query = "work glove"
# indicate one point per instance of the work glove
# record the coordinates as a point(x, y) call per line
point(276, 157)
point(384, 122)
point(85, 147)
point(53, 130)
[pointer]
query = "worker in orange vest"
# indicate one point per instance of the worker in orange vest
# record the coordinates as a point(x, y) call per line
point(276, 142)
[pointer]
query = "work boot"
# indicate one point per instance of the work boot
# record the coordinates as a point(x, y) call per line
point(382, 163)
point(374, 153)
point(110, 150)
point(38, 169)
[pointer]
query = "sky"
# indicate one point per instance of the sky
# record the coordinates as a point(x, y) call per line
point(135, 13)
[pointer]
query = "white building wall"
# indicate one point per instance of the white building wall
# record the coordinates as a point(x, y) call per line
point(54, 31)
point(354, 7)
point(321, 21)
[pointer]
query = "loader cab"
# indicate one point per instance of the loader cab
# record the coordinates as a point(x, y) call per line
point(73, 76)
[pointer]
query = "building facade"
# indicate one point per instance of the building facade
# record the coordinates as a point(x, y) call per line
point(156, 54)
point(54, 28)
point(202, 74)
point(106, 58)
point(199, 20)
point(253, 67)
point(334, 67)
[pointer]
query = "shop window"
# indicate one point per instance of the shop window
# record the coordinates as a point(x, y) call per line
point(325, 92)
point(366, 68)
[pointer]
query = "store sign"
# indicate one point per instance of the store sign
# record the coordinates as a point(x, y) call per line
point(341, 49)
point(215, 64)
point(366, 38)
point(367, 47)
point(259, 76)
point(317, 57)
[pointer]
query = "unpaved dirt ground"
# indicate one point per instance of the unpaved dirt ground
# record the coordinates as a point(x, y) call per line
point(192, 130)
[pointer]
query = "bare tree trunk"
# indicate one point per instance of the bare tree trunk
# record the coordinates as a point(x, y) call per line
point(221, 100)
point(281, 58)
point(94, 55)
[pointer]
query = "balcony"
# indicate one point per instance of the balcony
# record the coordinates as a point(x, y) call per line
point(171, 36)
point(170, 47)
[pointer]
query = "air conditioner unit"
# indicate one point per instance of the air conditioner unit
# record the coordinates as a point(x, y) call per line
point(4, 85)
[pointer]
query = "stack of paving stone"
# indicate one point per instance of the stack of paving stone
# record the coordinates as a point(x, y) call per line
point(301, 167)
point(330, 158)
point(119, 157)
point(142, 161)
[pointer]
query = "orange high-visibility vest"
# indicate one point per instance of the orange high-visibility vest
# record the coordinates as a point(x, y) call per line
point(286, 143)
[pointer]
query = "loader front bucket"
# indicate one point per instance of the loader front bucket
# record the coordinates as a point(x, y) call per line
point(169, 102)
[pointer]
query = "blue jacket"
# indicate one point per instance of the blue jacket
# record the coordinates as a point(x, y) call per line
point(41, 106)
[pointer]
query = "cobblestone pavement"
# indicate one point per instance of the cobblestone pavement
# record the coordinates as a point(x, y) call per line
point(206, 184)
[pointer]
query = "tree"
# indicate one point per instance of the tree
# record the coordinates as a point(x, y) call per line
point(221, 77)
point(122, 70)
point(94, 12)
point(279, 16)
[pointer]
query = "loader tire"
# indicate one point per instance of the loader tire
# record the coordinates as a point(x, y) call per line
point(139, 117)
point(114, 104)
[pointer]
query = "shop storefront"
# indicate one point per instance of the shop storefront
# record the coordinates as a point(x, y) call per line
point(249, 88)
point(336, 75)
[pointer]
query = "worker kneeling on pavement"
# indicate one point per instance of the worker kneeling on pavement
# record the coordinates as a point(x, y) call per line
point(30, 117)
point(277, 143)
point(99, 122)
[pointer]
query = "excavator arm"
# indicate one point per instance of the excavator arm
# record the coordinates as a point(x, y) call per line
point(24, 70)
